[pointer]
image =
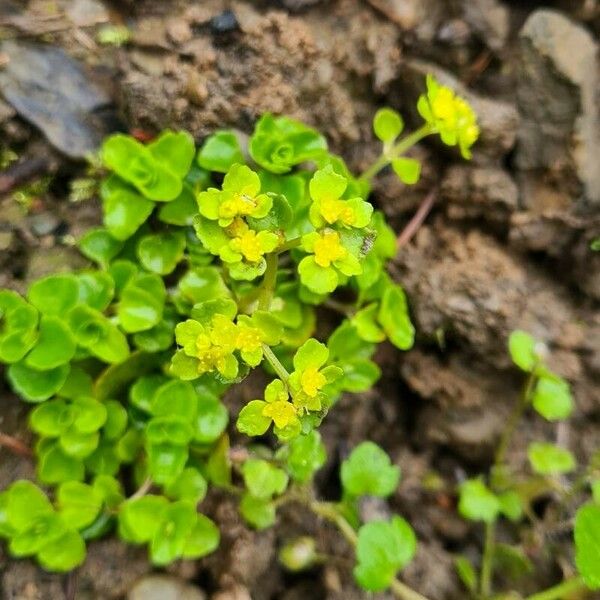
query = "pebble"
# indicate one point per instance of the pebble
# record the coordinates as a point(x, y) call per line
point(164, 587)
point(224, 22)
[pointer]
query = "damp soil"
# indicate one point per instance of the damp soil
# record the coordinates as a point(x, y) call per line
point(505, 246)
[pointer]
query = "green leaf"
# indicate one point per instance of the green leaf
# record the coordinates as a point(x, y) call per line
point(477, 502)
point(407, 169)
point(122, 271)
point(166, 461)
point(116, 420)
point(587, 544)
point(125, 211)
point(345, 343)
point(218, 466)
point(90, 415)
point(382, 549)
point(387, 124)
point(180, 211)
point(140, 518)
point(25, 502)
point(262, 479)
point(170, 538)
point(202, 284)
point(33, 385)
point(521, 347)
point(251, 420)
point(160, 252)
point(63, 553)
point(306, 455)
point(279, 143)
point(311, 354)
point(366, 325)
point(175, 151)
point(109, 490)
point(368, 471)
point(189, 485)
point(552, 398)
point(101, 247)
point(511, 561)
point(55, 345)
point(466, 573)
point(143, 390)
point(258, 512)
point(394, 318)
point(18, 333)
point(210, 421)
point(548, 459)
point(175, 398)
point(78, 384)
point(52, 418)
point(511, 505)
point(220, 151)
point(104, 460)
point(359, 375)
point(55, 466)
point(40, 532)
point(142, 303)
point(78, 445)
point(96, 289)
point(78, 503)
point(203, 539)
point(54, 295)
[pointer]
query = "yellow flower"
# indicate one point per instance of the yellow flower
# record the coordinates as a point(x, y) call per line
point(311, 381)
point(333, 210)
point(328, 249)
point(248, 339)
point(237, 205)
point(282, 412)
point(450, 115)
point(248, 244)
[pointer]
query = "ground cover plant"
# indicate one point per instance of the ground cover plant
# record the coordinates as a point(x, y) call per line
point(211, 263)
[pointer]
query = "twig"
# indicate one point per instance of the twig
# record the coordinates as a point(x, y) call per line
point(143, 490)
point(15, 445)
point(418, 218)
point(20, 173)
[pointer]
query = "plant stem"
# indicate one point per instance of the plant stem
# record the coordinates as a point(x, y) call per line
point(289, 245)
point(15, 445)
point(143, 489)
point(267, 288)
point(397, 150)
point(274, 361)
point(485, 582)
point(559, 591)
point(331, 513)
point(514, 419)
point(417, 220)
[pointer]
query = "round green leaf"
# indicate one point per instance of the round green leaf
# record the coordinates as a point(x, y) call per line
point(395, 319)
point(210, 421)
point(368, 471)
point(124, 212)
point(477, 502)
point(55, 294)
point(33, 385)
point(63, 553)
point(52, 418)
point(101, 247)
point(190, 485)
point(166, 461)
point(262, 479)
point(142, 303)
point(306, 456)
point(175, 398)
point(521, 347)
point(220, 151)
point(78, 445)
point(407, 169)
point(552, 398)
point(140, 518)
point(251, 420)
point(169, 540)
point(96, 289)
point(55, 466)
point(587, 544)
point(203, 539)
point(25, 502)
point(55, 345)
point(387, 124)
point(78, 503)
point(161, 252)
point(548, 459)
point(258, 512)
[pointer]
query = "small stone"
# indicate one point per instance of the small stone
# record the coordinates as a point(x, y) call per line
point(164, 587)
point(557, 99)
point(179, 31)
point(226, 22)
point(297, 5)
point(43, 223)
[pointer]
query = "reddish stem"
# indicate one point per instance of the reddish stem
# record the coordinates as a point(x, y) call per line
point(413, 225)
point(15, 445)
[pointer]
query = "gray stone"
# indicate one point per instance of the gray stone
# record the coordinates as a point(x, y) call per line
point(164, 587)
point(50, 89)
point(557, 99)
point(490, 19)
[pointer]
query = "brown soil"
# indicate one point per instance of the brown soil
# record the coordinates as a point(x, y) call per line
point(503, 248)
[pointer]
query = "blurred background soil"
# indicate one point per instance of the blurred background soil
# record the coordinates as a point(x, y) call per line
point(505, 246)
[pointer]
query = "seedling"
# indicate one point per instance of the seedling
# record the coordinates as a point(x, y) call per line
point(209, 265)
point(509, 495)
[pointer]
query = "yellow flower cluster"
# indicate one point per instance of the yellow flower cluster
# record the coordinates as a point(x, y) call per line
point(328, 248)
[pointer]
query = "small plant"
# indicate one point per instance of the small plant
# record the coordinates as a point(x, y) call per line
point(210, 264)
point(505, 494)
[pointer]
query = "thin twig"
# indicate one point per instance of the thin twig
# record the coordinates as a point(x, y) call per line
point(418, 218)
point(14, 445)
point(143, 490)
